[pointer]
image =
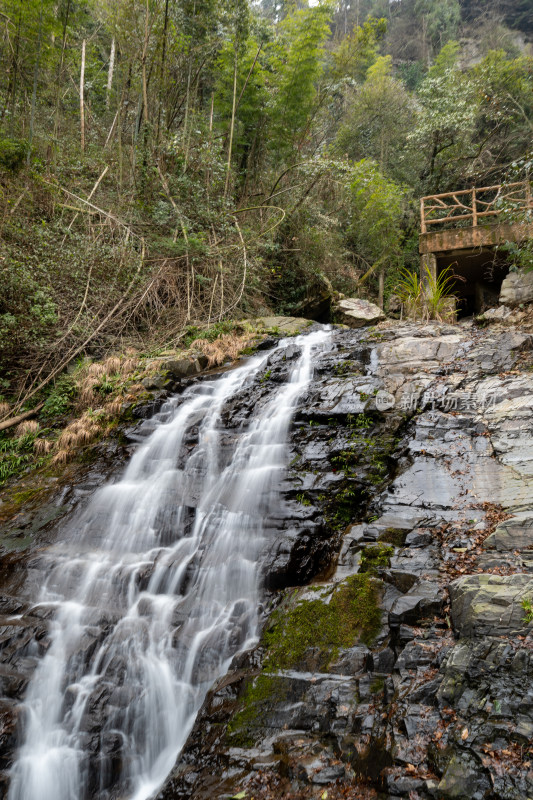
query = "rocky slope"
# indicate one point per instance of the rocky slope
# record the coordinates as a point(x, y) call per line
point(405, 669)
point(395, 660)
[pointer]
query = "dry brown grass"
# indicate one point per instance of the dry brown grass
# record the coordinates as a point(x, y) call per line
point(29, 426)
point(114, 407)
point(86, 394)
point(96, 370)
point(111, 365)
point(4, 410)
point(42, 447)
point(128, 366)
point(61, 457)
point(80, 432)
point(226, 347)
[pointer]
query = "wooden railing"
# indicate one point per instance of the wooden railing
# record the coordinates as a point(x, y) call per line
point(473, 204)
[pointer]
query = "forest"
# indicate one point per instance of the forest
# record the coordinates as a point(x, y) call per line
point(169, 166)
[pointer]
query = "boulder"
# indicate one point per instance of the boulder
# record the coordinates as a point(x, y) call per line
point(464, 779)
point(286, 326)
point(517, 287)
point(490, 605)
point(495, 314)
point(356, 313)
point(515, 533)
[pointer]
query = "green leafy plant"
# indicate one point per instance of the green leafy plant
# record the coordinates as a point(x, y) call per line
point(429, 297)
point(60, 399)
point(527, 605)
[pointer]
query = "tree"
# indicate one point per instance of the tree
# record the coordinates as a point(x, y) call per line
point(296, 59)
point(378, 117)
point(375, 231)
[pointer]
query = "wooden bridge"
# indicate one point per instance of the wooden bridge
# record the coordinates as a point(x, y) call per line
point(463, 229)
point(458, 219)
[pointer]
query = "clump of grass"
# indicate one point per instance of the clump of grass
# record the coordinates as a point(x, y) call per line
point(226, 348)
point(527, 605)
point(79, 433)
point(29, 426)
point(42, 447)
point(103, 377)
point(429, 296)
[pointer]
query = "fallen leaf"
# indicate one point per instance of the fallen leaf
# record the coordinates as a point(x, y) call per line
point(464, 734)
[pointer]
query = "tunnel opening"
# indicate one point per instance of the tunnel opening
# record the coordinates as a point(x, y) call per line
point(479, 275)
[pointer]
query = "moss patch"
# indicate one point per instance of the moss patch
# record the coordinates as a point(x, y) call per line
point(375, 556)
point(352, 614)
point(395, 536)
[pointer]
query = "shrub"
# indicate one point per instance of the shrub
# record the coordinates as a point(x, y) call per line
point(13, 153)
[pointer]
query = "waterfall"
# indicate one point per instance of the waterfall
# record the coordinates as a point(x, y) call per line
point(153, 590)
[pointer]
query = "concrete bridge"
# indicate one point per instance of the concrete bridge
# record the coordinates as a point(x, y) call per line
point(464, 229)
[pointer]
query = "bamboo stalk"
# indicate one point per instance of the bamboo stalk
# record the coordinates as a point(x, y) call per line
point(82, 103)
point(110, 73)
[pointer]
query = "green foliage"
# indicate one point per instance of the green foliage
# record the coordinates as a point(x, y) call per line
point(296, 61)
point(378, 117)
point(16, 455)
point(527, 605)
point(13, 153)
point(441, 19)
point(358, 50)
point(377, 205)
point(60, 399)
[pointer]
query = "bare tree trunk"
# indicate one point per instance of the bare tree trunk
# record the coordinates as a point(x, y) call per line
point(145, 53)
point(82, 102)
point(162, 71)
point(232, 126)
point(110, 73)
point(381, 287)
point(35, 77)
point(60, 68)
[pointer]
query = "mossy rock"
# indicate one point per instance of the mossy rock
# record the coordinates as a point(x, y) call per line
point(347, 615)
point(374, 557)
point(394, 536)
point(317, 629)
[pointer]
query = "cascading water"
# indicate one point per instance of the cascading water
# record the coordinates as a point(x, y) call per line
point(153, 592)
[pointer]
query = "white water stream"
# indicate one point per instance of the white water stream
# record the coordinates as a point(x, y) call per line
point(153, 591)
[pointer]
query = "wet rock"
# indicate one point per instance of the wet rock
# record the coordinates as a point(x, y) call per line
point(424, 599)
point(464, 779)
point(513, 534)
point(155, 382)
